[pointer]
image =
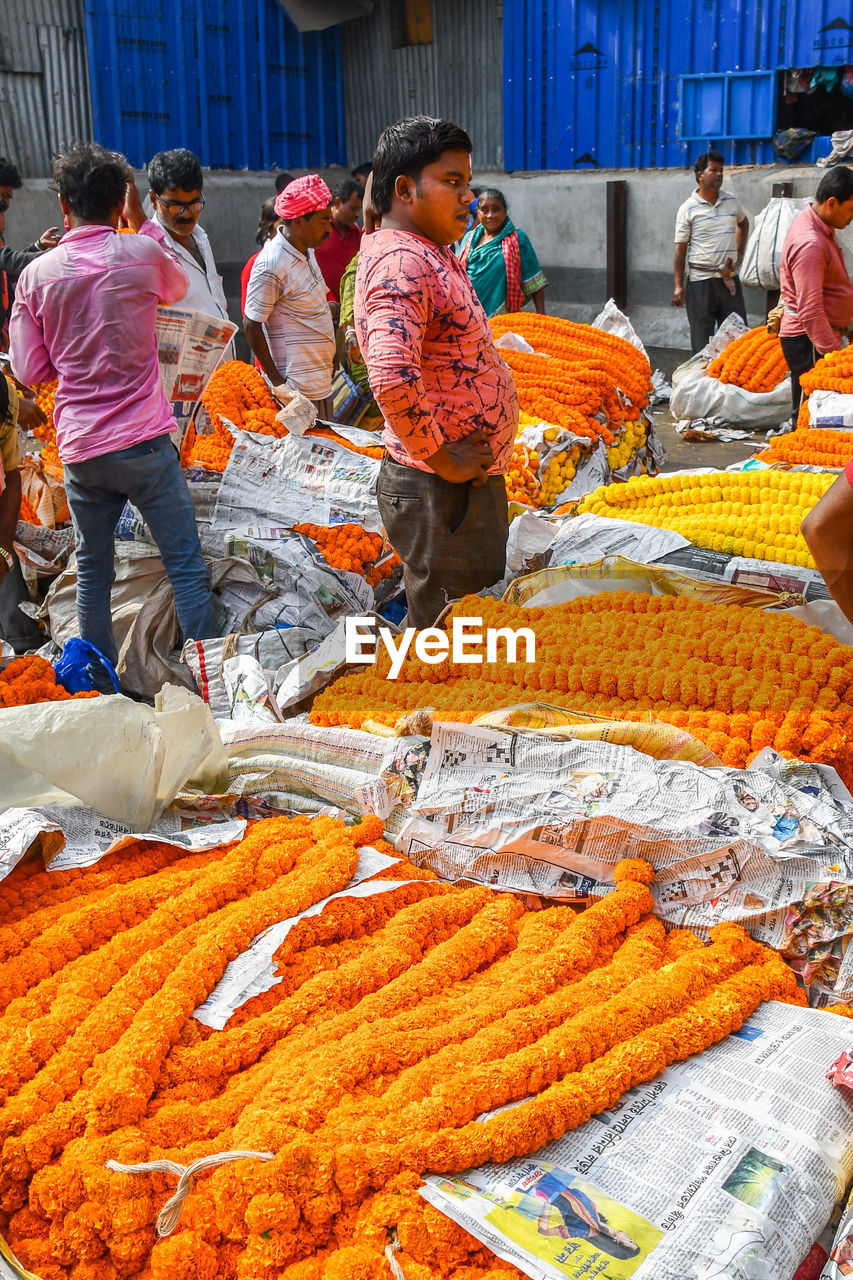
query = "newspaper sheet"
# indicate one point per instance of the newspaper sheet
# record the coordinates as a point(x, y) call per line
point(590, 537)
point(770, 846)
point(189, 345)
point(76, 836)
point(303, 589)
point(296, 480)
point(255, 970)
point(727, 1166)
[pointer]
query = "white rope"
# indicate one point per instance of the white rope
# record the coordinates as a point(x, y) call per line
point(167, 1218)
point(390, 1249)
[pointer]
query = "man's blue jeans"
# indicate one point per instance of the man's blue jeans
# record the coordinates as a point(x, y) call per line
point(150, 475)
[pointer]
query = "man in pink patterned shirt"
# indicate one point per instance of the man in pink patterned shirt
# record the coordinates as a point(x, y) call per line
point(448, 400)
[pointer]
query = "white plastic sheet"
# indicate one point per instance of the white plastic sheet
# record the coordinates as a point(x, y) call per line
point(123, 759)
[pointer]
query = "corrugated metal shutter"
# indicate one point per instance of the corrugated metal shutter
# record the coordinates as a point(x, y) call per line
point(457, 77)
point(44, 87)
point(596, 82)
point(233, 80)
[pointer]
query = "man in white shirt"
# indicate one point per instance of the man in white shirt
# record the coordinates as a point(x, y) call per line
point(710, 237)
point(286, 316)
point(176, 180)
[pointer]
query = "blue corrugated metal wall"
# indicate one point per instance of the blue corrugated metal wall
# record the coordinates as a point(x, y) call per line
point(596, 82)
point(233, 80)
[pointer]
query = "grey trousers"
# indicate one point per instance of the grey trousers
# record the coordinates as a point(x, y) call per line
point(451, 538)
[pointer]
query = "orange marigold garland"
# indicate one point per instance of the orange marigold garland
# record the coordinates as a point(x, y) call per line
point(738, 679)
point(812, 447)
point(350, 547)
point(238, 394)
point(25, 681)
point(469, 1000)
point(754, 361)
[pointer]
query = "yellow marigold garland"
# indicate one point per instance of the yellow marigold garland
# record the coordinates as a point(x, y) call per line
point(743, 513)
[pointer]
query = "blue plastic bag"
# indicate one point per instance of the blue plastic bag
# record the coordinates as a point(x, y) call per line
point(82, 667)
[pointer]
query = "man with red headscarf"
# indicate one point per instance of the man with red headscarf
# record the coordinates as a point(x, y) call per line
point(287, 319)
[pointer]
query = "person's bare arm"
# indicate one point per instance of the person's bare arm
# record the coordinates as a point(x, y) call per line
point(678, 265)
point(742, 236)
point(10, 506)
point(828, 531)
point(539, 300)
point(257, 341)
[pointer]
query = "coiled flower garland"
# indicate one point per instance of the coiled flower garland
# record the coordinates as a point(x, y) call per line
point(446, 1002)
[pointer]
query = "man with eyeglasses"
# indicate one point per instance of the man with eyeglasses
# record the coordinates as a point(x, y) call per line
point(175, 179)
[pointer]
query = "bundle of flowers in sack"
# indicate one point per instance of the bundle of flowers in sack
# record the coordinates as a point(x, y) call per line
point(811, 447)
point(236, 394)
point(738, 679)
point(580, 378)
point(754, 361)
point(740, 513)
point(628, 443)
point(397, 1021)
point(31, 679)
point(350, 547)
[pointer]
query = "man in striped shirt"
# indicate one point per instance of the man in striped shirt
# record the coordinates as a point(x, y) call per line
point(710, 237)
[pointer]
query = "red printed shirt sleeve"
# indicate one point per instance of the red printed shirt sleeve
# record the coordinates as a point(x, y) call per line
point(395, 313)
point(807, 266)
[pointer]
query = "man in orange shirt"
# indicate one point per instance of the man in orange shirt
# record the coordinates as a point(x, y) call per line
point(448, 399)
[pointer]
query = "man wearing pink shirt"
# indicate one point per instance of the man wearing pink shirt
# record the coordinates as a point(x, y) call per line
point(85, 314)
point(815, 287)
point(448, 399)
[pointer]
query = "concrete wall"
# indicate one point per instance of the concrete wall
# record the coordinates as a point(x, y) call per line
point(564, 214)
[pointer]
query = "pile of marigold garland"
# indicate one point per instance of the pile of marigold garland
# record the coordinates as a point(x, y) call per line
point(580, 378)
point(754, 361)
point(236, 393)
point(738, 679)
point(31, 679)
point(811, 446)
point(741, 513)
point(350, 547)
point(399, 1020)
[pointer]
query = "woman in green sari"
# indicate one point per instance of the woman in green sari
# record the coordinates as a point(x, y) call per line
point(500, 259)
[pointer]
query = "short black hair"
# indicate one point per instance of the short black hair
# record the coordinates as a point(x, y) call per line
point(178, 170)
point(347, 188)
point(9, 175)
point(91, 180)
point(492, 193)
point(836, 182)
point(706, 158)
point(266, 222)
point(406, 148)
point(282, 180)
point(365, 168)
